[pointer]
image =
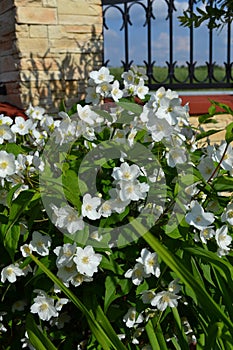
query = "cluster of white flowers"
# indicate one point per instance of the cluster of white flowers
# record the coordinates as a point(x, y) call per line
point(75, 264)
point(161, 124)
point(203, 222)
point(49, 310)
point(215, 155)
point(101, 85)
point(147, 265)
point(159, 301)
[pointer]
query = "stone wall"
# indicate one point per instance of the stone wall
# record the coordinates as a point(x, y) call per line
point(47, 48)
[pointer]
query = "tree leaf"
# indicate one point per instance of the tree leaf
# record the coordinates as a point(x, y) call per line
point(229, 133)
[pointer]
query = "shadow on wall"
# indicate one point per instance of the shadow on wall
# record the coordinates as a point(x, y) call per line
point(48, 81)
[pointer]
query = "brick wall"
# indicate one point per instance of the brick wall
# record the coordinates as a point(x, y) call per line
point(47, 48)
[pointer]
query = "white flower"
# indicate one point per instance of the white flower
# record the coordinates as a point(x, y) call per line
point(170, 108)
point(137, 274)
point(67, 272)
point(128, 77)
point(5, 120)
point(22, 126)
point(26, 250)
point(7, 164)
point(138, 332)
point(132, 190)
point(35, 113)
point(60, 303)
point(67, 218)
point(89, 207)
point(92, 96)
point(66, 131)
point(103, 89)
point(40, 243)
point(6, 133)
point(86, 114)
point(87, 261)
point(227, 215)
point(126, 172)
point(176, 155)
point(198, 218)
point(131, 136)
point(102, 75)
point(227, 161)
point(164, 299)
point(174, 286)
point(130, 318)
point(79, 278)
point(44, 307)
point(147, 296)
point(141, 89)
point(10, 273)
point(116, 203)
point(106, 209)
point(222, 238)
point(65, 254)
point(159, 128)
point(206, 234)
point(116, 93)
point(150, 262)
point(26, 342)
point(206, 167)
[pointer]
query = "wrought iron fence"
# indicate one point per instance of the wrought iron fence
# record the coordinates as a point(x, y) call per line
point(123, 8)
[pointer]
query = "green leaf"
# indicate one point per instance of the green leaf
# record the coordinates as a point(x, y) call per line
point(152, 336)
point(110, 291)
point(38, 339)
point(223, 183)
point(182, 339)
point(62, 106)
point(223, 106)
point(18, 206)
point(114, 289)
point(14, 148)
point(229, 133)
point(70, 181)
point(11, 240)
point(207, 133)
point(212, 110)
point(131, 107)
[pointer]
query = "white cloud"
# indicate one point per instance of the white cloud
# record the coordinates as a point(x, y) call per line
point(181, 43)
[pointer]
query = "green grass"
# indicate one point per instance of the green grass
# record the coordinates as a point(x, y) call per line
point(181, 73)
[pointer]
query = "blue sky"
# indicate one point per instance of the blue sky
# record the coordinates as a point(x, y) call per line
point(113, 38)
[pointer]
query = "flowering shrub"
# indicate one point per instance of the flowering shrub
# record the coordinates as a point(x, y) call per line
point(116, 224)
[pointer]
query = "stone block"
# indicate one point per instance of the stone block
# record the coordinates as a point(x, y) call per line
point(36, 15)
point(76, 18)
point(38, 64)
point(81, 7)
point(28, 3)
point(38, 31)
point(49, 3)
point(34, 46)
